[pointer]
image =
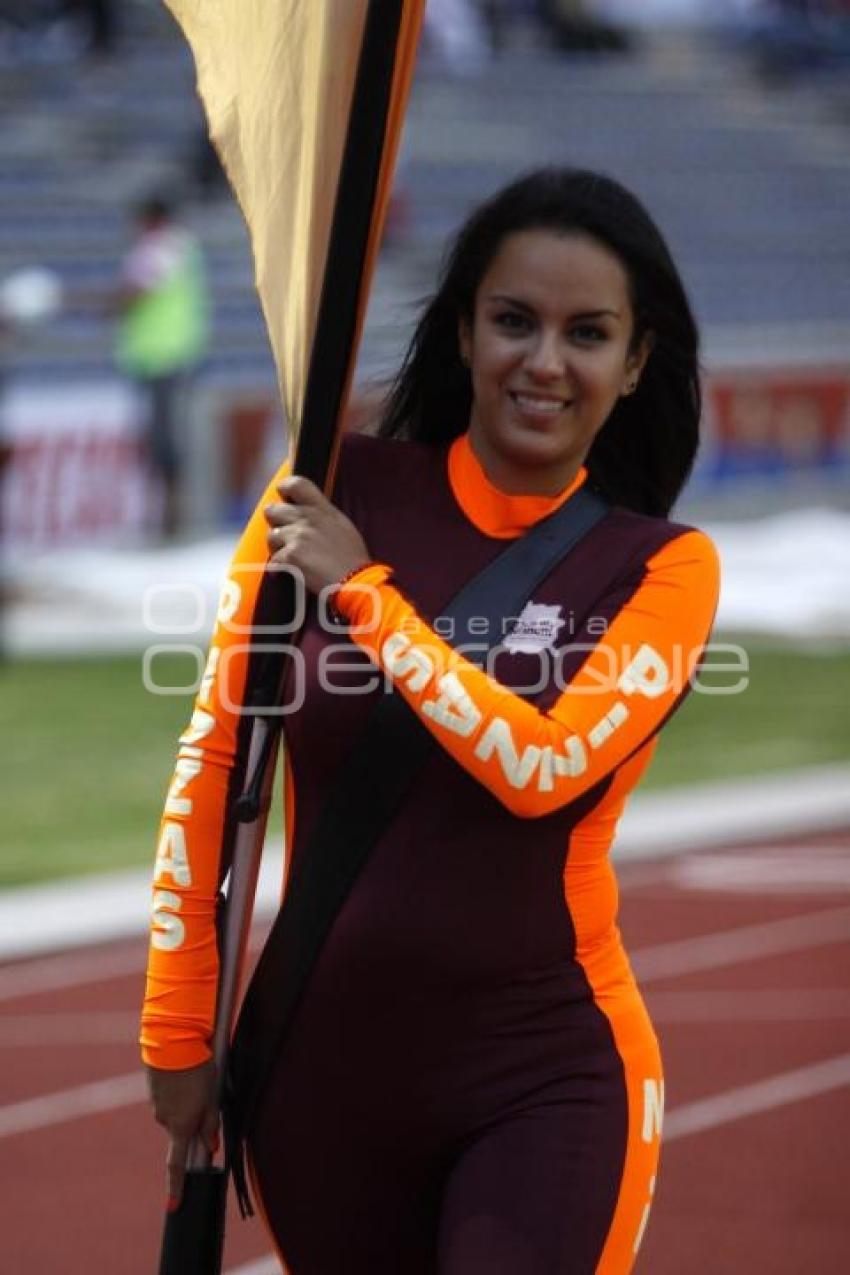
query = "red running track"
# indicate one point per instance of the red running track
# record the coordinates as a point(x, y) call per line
point(743, 955)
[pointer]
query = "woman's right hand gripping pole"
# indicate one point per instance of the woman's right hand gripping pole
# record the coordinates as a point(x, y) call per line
point(184, 1103)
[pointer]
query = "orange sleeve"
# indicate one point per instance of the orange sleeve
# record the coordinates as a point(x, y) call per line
point(533, 761)
point(182, 976)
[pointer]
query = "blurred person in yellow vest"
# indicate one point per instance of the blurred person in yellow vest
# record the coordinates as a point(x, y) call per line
point(162, 334)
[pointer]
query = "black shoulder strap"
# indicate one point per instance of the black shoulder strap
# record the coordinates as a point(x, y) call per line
point(364, 797)
point(505, 584)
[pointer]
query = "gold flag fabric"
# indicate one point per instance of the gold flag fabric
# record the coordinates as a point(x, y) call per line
point(276, 79)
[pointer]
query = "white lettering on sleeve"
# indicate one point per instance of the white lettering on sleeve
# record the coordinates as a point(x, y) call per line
point(569, 765)
point(228, 605)
point(407, 662)
point(201, 725)
point(209, 675)
point(605, 728)
point(545, 779)
point(573, 762)
point(168, 930)
point(498, 739)
point(647, 674)
point(185, 770)
point(455, 708)
point(171, 857)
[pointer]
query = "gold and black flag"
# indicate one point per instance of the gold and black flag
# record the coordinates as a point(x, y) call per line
point(305, 101)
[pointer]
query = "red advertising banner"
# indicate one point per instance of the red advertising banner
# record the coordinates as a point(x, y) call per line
point(777, 421)
point(72, 466)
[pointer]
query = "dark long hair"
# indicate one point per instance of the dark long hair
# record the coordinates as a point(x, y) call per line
point(644, 452)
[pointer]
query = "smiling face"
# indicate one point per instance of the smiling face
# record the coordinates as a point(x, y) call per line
point(550, 350)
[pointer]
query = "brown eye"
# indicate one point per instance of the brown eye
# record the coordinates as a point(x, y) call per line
point(589, 333)
point(513, 321)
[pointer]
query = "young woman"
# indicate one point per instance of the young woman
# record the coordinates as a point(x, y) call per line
point(471, 1082)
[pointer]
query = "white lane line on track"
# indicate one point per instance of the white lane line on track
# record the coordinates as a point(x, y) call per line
point(757, 1098)
point(774, 1005)
point(741, 944)
point(70, 1104)
point(103, 1027)
point(797, 870)
point(55, 973)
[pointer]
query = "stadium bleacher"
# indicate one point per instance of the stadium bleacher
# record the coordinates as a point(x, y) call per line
point(752, 188)
point(750, 183)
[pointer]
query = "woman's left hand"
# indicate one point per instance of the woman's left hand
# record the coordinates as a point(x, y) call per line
point(310, 534)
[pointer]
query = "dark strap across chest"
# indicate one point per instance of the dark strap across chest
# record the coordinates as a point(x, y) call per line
point(364, 797)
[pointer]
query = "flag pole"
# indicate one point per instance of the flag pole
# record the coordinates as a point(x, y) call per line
point(194, 1233)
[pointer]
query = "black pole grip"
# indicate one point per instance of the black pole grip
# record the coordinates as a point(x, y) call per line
point(193, 1238)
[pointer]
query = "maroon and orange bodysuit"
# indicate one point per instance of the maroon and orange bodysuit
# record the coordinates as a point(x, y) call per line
point(471, 1084)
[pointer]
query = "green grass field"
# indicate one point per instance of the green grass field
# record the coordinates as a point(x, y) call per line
point(90, 751)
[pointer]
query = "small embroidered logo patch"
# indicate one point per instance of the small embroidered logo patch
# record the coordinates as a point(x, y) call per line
point(535, 630)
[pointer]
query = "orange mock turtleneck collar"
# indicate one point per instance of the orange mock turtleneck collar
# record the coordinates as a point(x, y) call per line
point(492, 511)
